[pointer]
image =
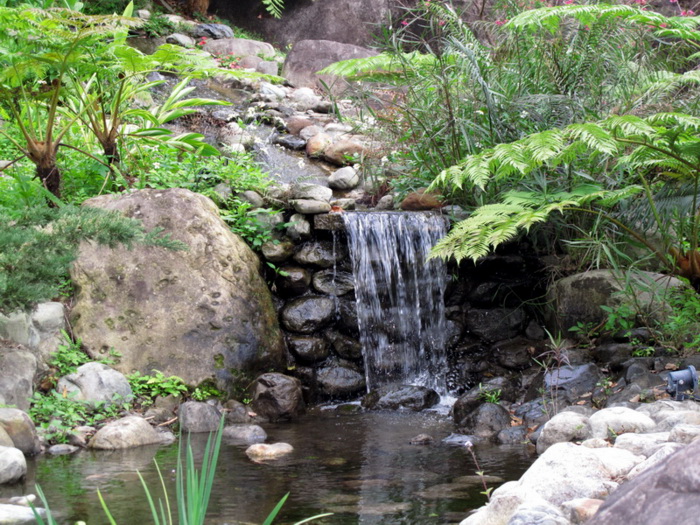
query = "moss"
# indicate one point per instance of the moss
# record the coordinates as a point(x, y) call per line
point(219, 361)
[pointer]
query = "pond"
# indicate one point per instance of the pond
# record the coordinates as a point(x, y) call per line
point(358, 465)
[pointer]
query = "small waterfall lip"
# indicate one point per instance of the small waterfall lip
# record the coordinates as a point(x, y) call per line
point(399, 296)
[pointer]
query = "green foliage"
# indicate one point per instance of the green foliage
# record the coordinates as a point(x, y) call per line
point(40, 243)
point(245, 221)
point(148, 387)
point(680, 327)
point(204, 392)
point(489, 395)
point(274, 7)
point(158, 25)
point(70, 355)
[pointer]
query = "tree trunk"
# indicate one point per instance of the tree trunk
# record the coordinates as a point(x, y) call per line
point(50, 178)
point(198, 6)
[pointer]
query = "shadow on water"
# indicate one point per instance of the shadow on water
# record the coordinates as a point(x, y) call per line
point(360, 466)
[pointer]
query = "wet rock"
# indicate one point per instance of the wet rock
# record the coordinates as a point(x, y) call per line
point(461, 440)
point(340, 381)
point(308, 349)
point(421, 200)
point(322, 254)
point(208, 304)
point(239, 47)
point(261, 451)
point(332, 282)
point(277, 251)
point(311, 131)
point(20, 428)
point(96, 383)
point(348, 316)
point(562, 428)
point(215, 31)
point(486, 420)
point(343, 152)
point(539, 410)
point(317, 144)
point(13, 466)
point(276, 396)
point(196, 416)
point(344, 345)
point(385, 203)
point(344, 179)
point(238, 434)
point(291, 142)
point(665, 493)
point(292, 281)
point(614, 354)
point(304, 98)
point(62, 450)
point(618, 420)
point(127, 432)
point(19, 367)
point(498, 324)
point(415, 398)
point(512, 436)
point(307, 315)
point(516, 354)
point(571, 382)
point(309, 207)
point(296, 123)
point(312, 192)
point(422, 439)
point(236, 412)
point(299, 228)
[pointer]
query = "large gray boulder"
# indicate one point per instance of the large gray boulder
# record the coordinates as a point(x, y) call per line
point(96, 383)
point(127, 432)
point(18, 367)
point(202, 313)
point(666, 493)
point(307, 57)
point(277, 396)
point(239, 47)
point(38, 330)
point(196, 416)
point(13, 466)
point(20, 428)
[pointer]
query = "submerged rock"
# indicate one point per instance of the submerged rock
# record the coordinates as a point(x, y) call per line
point(240, 434)
point(415, 398)
point(261, 451)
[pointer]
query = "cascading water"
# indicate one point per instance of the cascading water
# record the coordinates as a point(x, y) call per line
point(399, 295)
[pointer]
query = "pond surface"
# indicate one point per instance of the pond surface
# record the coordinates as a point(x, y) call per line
point(360, 466)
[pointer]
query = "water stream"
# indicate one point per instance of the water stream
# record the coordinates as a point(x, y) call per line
point(399, 294)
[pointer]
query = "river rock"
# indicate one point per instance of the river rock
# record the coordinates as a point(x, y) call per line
point(290, 142)
point(487, 420)
point(415, 398)
point(239, 47)
point(13, 466)
point(62, 450)
point(684, 434)
point(292, 281)
point(261, 451)
point(344, 345)
point(96, 383)
point(236, 413)
point(299, 228)
point(312, 192)
point(661, 453)
point(642, 444)
point(538, 513)
point(277, 396)
point(277, 251)
point(127, 432)
point(19, 367)
point(618, 420)
point(308, 349)
point(311, 131)
point(307, 57)
point(333, 282)
point(516, 354)
point(5, 439)
point(344, 179)
point(666, 493)
point(563, 427)
point(215, 31)
point(316, 144)
point(196, 416)
point(178, 39)
point(348, 316)
point(309, 207)
point(340, 381)
point(304, 98)
point(571, 382)
point(207, 305)
point(321, 254)
point(308, 314)
point(498, 324)
point(244, 434)
point(421, 200)
point(18, 514)
point(20, 428)
point(343, 152)
point(297, 122)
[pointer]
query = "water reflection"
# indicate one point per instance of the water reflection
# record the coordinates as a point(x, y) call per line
point(358, 465)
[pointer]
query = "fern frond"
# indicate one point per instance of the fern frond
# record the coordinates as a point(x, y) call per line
point(274, 7)
point(384, 66)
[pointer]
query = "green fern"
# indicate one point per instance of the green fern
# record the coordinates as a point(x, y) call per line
point(274, 7)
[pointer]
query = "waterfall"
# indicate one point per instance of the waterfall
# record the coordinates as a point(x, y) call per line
point(399, 295)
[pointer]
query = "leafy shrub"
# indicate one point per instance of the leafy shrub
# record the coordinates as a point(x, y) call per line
point(148, 387)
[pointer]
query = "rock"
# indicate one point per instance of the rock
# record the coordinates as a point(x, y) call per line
point(581, 509)
point(311, 131)
point(239, 47)
point(291, 142)
point(5, 439)
point(344, 179)
point(292, 281)
point(276, 396)
point(348, 316)
point(304, 98)
point(276, 251)
point(345, 151)
point(578, 298)
point(296, 123)
point(515, 354)
point(208, 305)
point(421, 200)
point(344, 345)
point(340, 381)
point(244, 434)
point(307, 57)
point(253, 198)
point(308, 349)
point(39, 331)
point(272, 91)
point(563, 427)
point(415, 398)
point(571, 382)
point(299, 228)
point(179, 39)
point(236, 413)
point(422, 439)
point(268, 67)
point(127, 432)
point(20, 428)
point(493, 325)
point(684, 434)
point(665, 493)
point(309, 207)
point(642, 444)
point(215, 31)
point(308, 314)
point(317, 144)
point(19, 367)
point(62, 450)
point(322, 254)
point(196, 416)
point(13, 466)
point(261, 451)
point(385, 203)
point(332, 282)
point(487, 420)
point(96, 383)
point(537, 513)
point(658, 456)
point(18, 514)
point(512, 436)
point(618, 420)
